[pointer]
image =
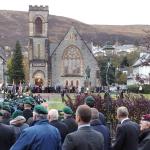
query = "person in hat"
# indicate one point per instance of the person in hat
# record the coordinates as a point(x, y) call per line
point(144, 138)
point(27, 112)
point(90, 101)
point(6, 114)
point(41, 135)
point(7, 135)
point(69, 120)
point(18, 122)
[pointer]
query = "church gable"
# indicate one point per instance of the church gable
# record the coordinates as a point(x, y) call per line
point(72, 35)
point(70, 60)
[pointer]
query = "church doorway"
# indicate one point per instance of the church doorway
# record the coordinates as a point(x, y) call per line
point(39, 78)
point(39, 81)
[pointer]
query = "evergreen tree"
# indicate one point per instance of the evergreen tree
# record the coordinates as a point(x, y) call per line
point(10, 71)
point(17, 64)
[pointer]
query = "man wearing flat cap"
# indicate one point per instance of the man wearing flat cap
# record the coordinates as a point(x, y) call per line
point(144, 138)
point(69, 120)
point(41, 136)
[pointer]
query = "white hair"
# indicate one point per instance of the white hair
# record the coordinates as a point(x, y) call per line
point(122, 111)
point(53, 114)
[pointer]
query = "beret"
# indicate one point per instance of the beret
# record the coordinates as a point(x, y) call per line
point(67, 110)
point(7, 108)
point(40, 109)
point(89, 100)
point(146, 117)
point(17, 113)
point(27, 101)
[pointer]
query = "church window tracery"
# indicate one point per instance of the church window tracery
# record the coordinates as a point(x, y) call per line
point(72, 61)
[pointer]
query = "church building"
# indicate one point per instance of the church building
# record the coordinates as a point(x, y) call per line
point(69, 63)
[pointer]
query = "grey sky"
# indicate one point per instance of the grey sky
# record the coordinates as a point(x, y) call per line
point(90, 11)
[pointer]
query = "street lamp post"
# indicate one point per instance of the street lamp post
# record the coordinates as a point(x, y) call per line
point(107, 98)
point(108, 66)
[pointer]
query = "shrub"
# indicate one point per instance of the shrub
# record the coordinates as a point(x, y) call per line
point(137, 105)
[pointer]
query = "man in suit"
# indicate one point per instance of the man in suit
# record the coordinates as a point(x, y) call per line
point(53, 120)
point(85, 138)
point(127, 132)
point(7, 135)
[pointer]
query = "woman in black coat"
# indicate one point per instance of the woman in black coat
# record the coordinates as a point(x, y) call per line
point(144, 139)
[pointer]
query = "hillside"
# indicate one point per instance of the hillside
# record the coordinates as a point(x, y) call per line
point(14, 26)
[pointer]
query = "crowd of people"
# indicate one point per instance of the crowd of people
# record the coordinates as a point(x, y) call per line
point(29, 125)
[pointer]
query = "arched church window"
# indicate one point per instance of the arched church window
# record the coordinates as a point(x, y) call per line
point(66, 82)
point(71, 82)
point(38, 25)
point(72, 61)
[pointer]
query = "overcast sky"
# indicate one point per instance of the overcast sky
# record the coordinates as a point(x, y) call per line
point(112, 12)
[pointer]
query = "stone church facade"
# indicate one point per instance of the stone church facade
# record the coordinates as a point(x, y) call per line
point(64, 64)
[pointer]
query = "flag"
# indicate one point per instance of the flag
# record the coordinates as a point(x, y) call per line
point(20, 87)
point(14, 88)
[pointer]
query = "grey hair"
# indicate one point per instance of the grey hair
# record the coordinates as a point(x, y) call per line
point(95, 114)
point(53, 114)
point(40, 116)
point(122, 111)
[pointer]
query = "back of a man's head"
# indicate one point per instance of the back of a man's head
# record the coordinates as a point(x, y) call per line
point(122, 112)
point(84, 113)
point(53, 115)
point(95, 114)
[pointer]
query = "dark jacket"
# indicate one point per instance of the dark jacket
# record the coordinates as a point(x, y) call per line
point(102, 118)
point(71, 124)
point(127, 136)
point(61, 127)
point(41, 136)
point(7, 137)
point(19, 128)
point(85, 138)
point(144, 140)
point(98, 126)
point(27, 113)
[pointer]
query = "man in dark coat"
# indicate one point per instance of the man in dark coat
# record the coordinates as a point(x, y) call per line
point(53, 120)
point(90, 101)
point(27, 112)
point(127, 132)
point(41, 136)
point(85, 138)
point(69, 120)
point(98, 126)
point(7, 135)
point(144, 138)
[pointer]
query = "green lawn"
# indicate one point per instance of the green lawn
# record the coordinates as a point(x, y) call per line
point(55, 101)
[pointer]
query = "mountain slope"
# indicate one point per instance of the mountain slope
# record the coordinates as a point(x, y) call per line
point(14, 26)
